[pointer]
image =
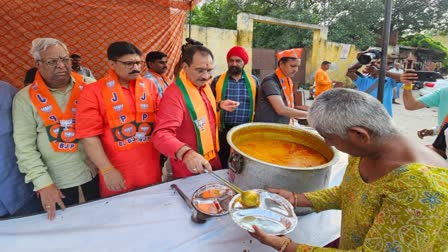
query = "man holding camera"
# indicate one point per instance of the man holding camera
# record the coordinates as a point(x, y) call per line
point(370, 82)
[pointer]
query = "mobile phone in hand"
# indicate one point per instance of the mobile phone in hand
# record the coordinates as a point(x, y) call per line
point(426, 75)
point(409, 64)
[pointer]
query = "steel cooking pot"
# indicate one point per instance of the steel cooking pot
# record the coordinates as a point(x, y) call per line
point(248, 172)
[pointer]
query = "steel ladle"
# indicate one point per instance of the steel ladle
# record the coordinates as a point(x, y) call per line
point(249, 198)
point(196, 217)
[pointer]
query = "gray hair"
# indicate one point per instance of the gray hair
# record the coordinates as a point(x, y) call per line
point(337, 110)
point(41, 44)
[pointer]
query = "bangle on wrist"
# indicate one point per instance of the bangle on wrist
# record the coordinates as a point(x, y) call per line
point(296, 199)
point(407, 87)
point(285, 244)
point(218, 106)
point(185, 153)
point(105, 170)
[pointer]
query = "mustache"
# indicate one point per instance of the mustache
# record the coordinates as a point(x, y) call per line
point(134, 71)
point(235, 70)
point(205, 79)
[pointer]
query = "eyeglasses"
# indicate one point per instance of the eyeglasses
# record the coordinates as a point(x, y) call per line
point(202, 71)
point(55, 61)
point(130, 64)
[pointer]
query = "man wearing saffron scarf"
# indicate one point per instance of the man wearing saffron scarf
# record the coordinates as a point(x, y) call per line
point(47, 148)
point(236, 85)
point(275, 101)
point(115, 118)
point(186, 128)
point(157, 64)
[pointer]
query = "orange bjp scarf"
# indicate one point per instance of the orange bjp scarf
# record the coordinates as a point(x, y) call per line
point(199, 115)
point(287, 87)
point(128, 128)
point(60, 126)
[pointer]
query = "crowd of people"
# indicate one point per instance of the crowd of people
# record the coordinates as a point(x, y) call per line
point(67, 137)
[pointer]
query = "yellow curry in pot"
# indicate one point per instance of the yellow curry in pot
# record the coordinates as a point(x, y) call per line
point(282, 153)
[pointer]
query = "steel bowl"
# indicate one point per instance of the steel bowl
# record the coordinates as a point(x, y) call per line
point(212, 199)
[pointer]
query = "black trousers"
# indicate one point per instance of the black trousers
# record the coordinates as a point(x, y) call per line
point(440, 141)
point(91, 191)
point(224, 147)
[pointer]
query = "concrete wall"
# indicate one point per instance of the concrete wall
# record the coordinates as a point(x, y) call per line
point(219, 41)
point(441, 39)
point(331, 51)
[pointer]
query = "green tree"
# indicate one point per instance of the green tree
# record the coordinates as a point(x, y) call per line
point(417, 16)
point(425, 41)
point(357, 22)
point(353, 21)
point(283, 37)
point(216, 13)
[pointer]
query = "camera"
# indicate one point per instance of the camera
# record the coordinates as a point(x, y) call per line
point(368, 56)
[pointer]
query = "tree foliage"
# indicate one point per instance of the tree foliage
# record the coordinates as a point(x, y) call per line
point(356, 22)
point(418, 16)
point(425, 41)
point(217, 13)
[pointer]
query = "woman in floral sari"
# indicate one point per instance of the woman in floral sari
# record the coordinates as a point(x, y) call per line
point(394, 195)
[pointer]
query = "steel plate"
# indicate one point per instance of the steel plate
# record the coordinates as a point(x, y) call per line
point(275, 215)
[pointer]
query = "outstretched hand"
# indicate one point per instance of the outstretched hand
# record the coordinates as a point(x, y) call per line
point(296, 199)
point(229, 105)
point(425, 132)
point(408, 77)
point(284, 193)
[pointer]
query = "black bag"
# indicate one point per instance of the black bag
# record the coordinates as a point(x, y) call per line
point(440, 142)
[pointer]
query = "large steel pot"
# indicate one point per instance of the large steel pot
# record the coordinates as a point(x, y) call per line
point(248, 172)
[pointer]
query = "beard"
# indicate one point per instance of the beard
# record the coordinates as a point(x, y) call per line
point(234, 70)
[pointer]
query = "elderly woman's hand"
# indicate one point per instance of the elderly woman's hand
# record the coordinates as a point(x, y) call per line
point(285, 194)
point(296, 199)
point(276, 242)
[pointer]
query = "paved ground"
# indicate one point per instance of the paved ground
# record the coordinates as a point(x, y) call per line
point(411, 121)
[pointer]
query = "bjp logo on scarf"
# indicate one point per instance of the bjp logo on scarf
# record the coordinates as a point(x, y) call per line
point(200, 123)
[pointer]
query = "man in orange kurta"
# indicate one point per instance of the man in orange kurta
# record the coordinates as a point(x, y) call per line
point(323, 82)
point(116, 118)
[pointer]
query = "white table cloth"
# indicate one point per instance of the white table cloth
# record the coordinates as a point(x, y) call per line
point(154, 219)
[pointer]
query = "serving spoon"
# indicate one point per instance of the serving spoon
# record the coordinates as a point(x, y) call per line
point(196, 216)
point(249, 198)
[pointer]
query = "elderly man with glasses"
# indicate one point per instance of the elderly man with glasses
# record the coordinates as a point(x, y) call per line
point(47, 148)
point(186, 129)
point(115, 119)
